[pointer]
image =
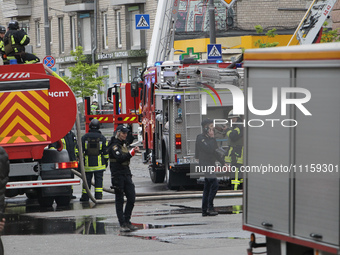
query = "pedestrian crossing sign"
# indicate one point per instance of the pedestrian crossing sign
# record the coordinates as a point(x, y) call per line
point(142, 21)
point(214, 51)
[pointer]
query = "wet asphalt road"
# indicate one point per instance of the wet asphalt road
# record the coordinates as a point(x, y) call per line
point(173, 226)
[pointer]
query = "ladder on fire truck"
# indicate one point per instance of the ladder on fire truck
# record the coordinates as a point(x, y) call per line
point(191, 79)
point(313, 21)
point(192, 106)
point(163, 34)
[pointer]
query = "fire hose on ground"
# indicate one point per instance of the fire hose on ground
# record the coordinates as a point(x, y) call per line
point(139, 196)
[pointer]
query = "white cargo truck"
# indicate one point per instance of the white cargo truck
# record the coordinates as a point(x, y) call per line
point(292, 149)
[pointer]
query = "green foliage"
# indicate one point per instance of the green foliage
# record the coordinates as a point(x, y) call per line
point(329, 35)
point(270, 34)
point(83, 80)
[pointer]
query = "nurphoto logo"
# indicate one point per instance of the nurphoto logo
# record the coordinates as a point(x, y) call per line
point(286, 99)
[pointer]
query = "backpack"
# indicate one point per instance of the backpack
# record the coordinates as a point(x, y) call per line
point(93, 146)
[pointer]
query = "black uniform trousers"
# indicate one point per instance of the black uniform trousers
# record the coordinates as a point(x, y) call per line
point(123, 184)
point(98, 183)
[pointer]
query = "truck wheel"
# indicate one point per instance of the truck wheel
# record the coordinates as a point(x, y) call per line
point(45, 201)
point(169, 175)
point(63, 200)
point(157, 176)
point(31, 195)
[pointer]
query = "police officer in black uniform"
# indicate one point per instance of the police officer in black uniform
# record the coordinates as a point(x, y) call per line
point(15, 41)
point(207, 152)
point(121, 177)
point(95, 159)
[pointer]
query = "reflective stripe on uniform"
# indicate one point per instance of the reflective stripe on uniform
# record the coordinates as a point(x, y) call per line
point(94, 168)
point(23, 40)
point(98, 190)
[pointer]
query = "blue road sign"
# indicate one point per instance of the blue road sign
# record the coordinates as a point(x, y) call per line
point(49, 61)
point(142, 21)
point(214, 51)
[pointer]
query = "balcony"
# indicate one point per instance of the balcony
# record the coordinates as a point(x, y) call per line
point(78, 5)
point(16, 8)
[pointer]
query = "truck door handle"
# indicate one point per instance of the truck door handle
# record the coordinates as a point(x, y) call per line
point(316, 235)
point(267, 224)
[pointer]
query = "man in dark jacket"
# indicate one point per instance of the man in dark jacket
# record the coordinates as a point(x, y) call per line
point(121, 177)
point(15, 41)
point(207, 152)
point(4, 171)
point(95, 159)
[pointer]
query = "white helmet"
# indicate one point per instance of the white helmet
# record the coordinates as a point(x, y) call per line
point(232, 115)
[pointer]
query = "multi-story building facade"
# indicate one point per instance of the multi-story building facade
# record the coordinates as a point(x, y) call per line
point(107, 31)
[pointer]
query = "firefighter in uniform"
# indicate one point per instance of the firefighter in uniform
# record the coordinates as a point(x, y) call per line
point(69, 143)
point(2, 46)
point(94, 107)
point(95, 159)
point(235, 146)
point(121, 177)
point(15, 41)
point(207, 152)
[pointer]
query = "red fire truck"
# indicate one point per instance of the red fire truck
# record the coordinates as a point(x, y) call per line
point(36, 110)
point(175, 99)
point(126, 102)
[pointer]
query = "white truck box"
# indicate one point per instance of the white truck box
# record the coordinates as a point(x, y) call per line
point(291, 184)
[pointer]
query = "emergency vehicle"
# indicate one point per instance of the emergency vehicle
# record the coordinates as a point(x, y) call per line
point(175, 100)
point(125, 98)
point(36, 109)
point(291, 185)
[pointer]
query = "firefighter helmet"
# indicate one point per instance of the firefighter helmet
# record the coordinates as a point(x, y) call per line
point(232, 115)
point(2, 29)
point(94, 124)
point(13, 25)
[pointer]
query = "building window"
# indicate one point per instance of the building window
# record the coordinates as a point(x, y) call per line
point(135, 33)
point(61, 72)
point(73, 26)
point(136, 72)
point(105, 81)
point(37, 32)
point(61, 35)
point(86, 32)
point(105, 32)
point(119, 74)
point(119, 30)
point(25, 25)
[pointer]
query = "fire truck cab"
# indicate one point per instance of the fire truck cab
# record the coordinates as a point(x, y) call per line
point(125, 99)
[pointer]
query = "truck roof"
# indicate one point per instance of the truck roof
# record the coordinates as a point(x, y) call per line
point(320, 51)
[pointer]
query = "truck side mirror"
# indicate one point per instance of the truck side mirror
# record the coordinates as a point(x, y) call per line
point(109, 95)
point(134, 89)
